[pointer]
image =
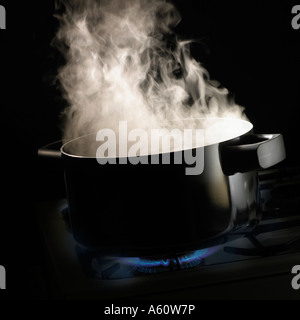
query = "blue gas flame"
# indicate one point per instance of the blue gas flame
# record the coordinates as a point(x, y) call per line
point(197, 255)
point(193, 256)
point(127, 267)
point(139, 262)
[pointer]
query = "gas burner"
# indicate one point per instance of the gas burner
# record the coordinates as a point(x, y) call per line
point(156, 265)
point(127, 267)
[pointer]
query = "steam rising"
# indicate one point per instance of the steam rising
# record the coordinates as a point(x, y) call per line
point(123, 62)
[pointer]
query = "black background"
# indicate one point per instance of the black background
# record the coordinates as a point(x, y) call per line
point(248, 46)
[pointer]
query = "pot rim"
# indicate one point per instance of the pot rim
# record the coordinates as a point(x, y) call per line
point(248, 126)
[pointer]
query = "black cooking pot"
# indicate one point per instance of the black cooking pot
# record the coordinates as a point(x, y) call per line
point(156, 209)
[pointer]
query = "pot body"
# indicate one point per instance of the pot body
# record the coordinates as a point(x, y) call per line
point(153, 210)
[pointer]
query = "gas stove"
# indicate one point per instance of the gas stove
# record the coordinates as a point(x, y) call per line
point(253, 264)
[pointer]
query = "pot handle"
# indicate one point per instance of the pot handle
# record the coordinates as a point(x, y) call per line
point(51, 150)
point(251, 152)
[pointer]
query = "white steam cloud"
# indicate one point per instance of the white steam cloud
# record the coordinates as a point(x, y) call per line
point(123, 62)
